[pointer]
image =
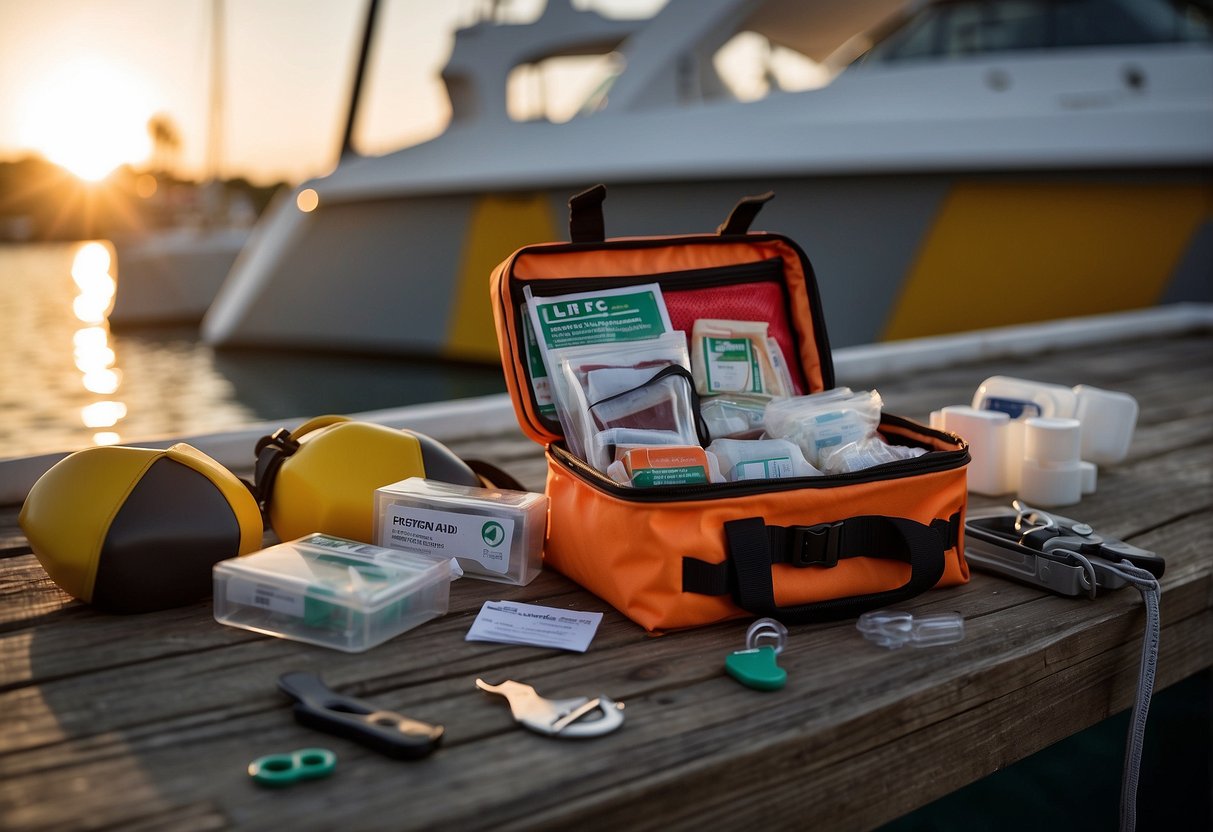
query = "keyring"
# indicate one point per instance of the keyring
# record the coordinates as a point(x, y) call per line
point(767, 628)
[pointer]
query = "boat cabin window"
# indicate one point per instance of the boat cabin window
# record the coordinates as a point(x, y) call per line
point(751, 66)
point(559, 88)
point(957, 28)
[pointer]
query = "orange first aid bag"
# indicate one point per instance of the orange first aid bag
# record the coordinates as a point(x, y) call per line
point(798, 549)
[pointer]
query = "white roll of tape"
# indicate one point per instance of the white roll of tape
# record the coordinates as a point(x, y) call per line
point(1050, 485)
point(985, 431)
point(1052, 440)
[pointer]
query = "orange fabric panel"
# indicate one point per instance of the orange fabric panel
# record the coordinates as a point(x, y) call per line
point(640, 573)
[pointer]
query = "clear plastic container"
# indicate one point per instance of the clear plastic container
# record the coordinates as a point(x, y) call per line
point(495, 534)
point(331, 591)
point(1021, 399)
point(896, 628)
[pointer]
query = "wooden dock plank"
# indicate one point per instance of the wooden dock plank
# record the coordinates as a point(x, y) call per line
point(148, 721)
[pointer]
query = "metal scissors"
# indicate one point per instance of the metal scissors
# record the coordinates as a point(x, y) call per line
point(1057, 553)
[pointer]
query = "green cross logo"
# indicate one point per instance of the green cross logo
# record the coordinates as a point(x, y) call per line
point(492, 533)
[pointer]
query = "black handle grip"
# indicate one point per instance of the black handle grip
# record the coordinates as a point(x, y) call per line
point(389, 733)
point(1117, 550)
point(749, 552)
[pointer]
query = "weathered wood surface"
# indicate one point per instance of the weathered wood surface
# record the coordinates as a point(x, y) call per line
point(150, 721)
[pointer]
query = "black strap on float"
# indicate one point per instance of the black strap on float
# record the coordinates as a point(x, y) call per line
point(585, 216)
point(494, 476)
point(754, 547)
point(271, 451)
point(743, 214)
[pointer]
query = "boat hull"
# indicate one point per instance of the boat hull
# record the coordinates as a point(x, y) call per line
point(172, 277)
point(896, 256)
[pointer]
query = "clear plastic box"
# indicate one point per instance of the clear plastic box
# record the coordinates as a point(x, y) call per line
point(496, 535)
point(331, 591)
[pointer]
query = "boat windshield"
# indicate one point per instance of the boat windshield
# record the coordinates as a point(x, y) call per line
point(958, 28)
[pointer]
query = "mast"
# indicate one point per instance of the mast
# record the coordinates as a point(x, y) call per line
point(347, 140)
point(214, 136)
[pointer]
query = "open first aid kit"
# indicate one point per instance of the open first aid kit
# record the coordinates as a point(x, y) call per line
point(617, 355)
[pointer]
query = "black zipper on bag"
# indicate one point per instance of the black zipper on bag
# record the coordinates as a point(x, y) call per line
point(687, 279)
point(770, 270)
point(929, 463)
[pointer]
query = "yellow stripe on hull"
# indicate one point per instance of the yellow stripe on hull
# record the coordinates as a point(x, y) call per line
point(499, 225)
point(1002, 253)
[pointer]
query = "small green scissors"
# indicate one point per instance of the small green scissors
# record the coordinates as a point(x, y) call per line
point(286, 769)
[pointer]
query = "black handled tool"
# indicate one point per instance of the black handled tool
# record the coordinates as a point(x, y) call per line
point(387, 732)
point(1050, 551)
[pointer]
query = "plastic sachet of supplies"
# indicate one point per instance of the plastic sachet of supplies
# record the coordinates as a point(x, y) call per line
point(733, 416)
point(760, 459)
point(630, 393)
point(836, 429)
point(737, 357)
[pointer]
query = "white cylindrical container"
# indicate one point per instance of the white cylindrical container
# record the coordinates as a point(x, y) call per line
point(1014, 442)
point(1089, 473)
point(1108, 419)
point(1021, 399)
point(1052, 440)
point(1050, 485)
point(985, 431)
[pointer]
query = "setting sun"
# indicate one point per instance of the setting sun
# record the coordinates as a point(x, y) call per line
point(89, 117)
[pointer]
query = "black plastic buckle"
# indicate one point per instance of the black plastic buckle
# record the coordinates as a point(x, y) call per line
point(816, 545)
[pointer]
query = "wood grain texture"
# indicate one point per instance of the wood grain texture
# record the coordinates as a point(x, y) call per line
point(148, 722)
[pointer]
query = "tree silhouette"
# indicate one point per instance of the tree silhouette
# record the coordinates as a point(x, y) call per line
point(166, 142)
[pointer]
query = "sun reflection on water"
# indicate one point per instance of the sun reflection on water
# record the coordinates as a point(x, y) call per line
point(95, 359)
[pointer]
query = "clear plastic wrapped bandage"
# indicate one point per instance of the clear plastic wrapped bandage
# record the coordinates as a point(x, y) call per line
point(760, 459)
point(735, 357)
point(836, 430)
point(733, 417)
point(605, 390)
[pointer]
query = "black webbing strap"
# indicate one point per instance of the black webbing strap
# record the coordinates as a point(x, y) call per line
point(585, 216)
point(743, 214)
point(271, 452)
point(754, 547)
point(494, 476)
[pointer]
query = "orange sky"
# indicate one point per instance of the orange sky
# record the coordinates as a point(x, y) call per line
point(79, 79)
point(71, 69)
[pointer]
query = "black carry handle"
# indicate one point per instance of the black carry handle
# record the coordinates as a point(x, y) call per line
point(586, 224)
point(585, 216)
point(742, 216)
point(750, 543)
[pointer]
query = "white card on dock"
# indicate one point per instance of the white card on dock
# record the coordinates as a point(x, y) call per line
point(508, 622)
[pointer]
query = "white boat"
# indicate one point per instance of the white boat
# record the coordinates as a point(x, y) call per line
point(171, 275)
point(985, 163)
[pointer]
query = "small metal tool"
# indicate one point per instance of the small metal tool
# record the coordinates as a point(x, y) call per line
point(387, 732)
point(558, 717)
point(1050, 551)
point(1069, 558)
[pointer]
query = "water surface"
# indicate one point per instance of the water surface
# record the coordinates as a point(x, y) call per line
point(67, 381)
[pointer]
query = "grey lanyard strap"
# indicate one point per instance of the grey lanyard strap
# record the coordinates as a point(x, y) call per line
point(1147, 584)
